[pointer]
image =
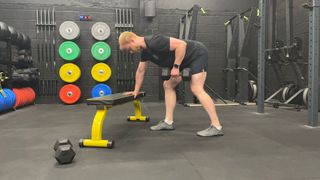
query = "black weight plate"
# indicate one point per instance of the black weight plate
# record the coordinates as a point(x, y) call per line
point(13, 33)
point(4, 31)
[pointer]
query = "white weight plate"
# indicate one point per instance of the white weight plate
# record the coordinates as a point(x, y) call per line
point(305, 96)
point(69, 30)
point(100, 31)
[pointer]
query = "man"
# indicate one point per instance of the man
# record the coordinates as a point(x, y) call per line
point(176, 54)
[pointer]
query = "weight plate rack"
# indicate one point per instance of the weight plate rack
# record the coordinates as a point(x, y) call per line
point(124, 65)
point(46, 55)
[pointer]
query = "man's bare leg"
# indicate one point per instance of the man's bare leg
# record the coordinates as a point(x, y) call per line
point(170, 102)
point(197, 84)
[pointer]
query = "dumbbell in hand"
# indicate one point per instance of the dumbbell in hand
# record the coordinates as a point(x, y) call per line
point(185, 73)
point(64, 153)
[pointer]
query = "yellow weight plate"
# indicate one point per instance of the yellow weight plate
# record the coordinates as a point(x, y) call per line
point(101, 72)
point(69, 72)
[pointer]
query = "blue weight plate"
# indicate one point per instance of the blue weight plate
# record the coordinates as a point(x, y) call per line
point(6, 99)
point(9, 99)
point(2, 103)
point(101, 90)
point(12, 98)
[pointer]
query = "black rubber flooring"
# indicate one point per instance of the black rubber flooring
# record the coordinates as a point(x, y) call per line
point(272, 146)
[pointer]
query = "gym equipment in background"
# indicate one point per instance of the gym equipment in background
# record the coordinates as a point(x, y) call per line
point(15, 52)
point(22, 59)
point(100, 31)
point(101, 72)
point(101, 90)
point(100, 51)
point(13, 34)
point(69, 51)
point(69, 30)
point(69, 94)
point(25, 75)
point(188, 30)
point(4, 31)
point(103, 104)
point(290, 93)
point(313, 63)
point(7, 99)
point(46, 55)
point(185, 73)
point(69, 72)
point(240, 81)
point(64, 153)
point(125, 64)
point(24, 96)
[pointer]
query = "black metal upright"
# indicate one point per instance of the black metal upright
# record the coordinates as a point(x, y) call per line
point(231, 63)
point(261, 56)
point(188, 31)
point(242, 62)
point(314, 46)
point(289, 24)
point(271, 22)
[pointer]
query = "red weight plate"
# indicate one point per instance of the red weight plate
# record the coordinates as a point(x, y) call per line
point(25, 96)
point(70, 94)
point(20, 94)
point(16, 92)
point(23, 99)
point(29, 95)
point(19, 97)
point(33, 95)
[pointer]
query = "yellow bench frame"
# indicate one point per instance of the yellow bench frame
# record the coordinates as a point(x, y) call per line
point(97, 125)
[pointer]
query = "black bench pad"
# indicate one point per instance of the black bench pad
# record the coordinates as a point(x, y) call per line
point(113, 99)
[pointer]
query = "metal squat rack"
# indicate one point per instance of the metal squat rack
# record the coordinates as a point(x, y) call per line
point(313, 64)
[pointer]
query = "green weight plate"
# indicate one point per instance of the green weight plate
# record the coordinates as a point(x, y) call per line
point(69, 51)
point(101, 51)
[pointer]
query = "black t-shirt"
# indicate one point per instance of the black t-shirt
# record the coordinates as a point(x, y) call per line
point(158, 51)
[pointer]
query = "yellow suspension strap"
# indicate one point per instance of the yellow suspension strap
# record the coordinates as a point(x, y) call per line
point(138, 112)
point(96, 131)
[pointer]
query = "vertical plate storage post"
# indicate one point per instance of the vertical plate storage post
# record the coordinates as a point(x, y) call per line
point(313, 81)
point(261, 56)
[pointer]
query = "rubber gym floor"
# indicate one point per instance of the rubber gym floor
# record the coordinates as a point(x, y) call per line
point(272, 146)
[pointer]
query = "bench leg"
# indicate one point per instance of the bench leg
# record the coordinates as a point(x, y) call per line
point(137, 112)
point(96, 132)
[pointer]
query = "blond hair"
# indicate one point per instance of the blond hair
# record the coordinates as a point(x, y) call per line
point(125, 37)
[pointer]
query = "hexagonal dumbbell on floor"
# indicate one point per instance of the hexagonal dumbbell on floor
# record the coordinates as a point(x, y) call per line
point(64, 153)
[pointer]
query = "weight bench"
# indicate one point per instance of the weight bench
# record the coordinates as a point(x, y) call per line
point(103, 104)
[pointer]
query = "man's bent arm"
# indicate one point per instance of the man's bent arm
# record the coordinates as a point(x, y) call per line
point(179, 47)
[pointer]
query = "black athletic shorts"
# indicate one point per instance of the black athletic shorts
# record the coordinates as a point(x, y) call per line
point(200, 61)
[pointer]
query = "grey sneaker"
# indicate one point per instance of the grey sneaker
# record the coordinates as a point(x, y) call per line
point(209, 132)
point(162, 126)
